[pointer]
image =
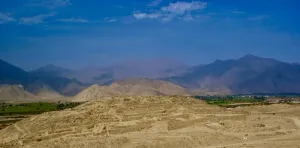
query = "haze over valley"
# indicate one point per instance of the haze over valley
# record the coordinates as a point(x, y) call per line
point(246, 75)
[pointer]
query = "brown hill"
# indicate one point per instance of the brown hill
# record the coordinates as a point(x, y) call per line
point(47, 92)
point(139, 86)
point(131, 87)
point(95, 92)
point(15, 93)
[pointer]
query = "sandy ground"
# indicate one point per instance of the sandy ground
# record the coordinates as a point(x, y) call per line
point(9, 120)
point(157, 122)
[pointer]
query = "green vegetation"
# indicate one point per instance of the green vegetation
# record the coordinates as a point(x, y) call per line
point(232, 101)
point(8, 121)
point(33, 108)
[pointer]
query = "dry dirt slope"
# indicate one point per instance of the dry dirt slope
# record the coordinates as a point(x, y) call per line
point(47, 92)
point(157, 122)
point(15, 93)
point(131, 87)
point(140, 86)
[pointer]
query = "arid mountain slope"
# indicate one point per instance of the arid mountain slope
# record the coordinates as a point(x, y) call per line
point(10, 74)
point(95, 92)
point(47, 92)
point(131, 87)
point(157, 122)
point(139, 86)
point(249, 74)
point(105, 75)
point(53, 71)
point(15, 93)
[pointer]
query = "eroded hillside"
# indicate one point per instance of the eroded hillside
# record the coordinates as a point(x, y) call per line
point(158, 122)
point(131, 87)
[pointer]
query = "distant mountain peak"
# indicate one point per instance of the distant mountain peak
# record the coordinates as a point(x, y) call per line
point(296, 63)
point(250, 57)
point(51, 70)
point(258, 60)
point(51, 67)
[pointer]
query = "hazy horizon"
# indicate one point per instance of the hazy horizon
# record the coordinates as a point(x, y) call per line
point(76, 34)
point(154, 62)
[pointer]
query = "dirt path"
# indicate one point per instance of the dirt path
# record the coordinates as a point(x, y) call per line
point(20, 129)
point(296, 121)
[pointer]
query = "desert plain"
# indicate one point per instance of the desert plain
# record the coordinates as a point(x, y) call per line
point(157, 122)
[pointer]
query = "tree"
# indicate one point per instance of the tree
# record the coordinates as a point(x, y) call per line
point(3, 106)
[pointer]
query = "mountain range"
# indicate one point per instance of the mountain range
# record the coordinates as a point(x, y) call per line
point(248, 74)
point(34, 82)
point(105, 75)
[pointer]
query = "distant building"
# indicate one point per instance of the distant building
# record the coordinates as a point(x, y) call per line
point(273, 101)
point(20, 86)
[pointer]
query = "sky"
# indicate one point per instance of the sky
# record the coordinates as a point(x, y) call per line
point(77, 33)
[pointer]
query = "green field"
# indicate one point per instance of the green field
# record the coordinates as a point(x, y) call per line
point(33, 108)
point(232, 101)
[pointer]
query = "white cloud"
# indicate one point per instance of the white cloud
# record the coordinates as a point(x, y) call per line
point(183, 7)
point(110, 20)
point(139, 16)
point(155, 3)
point(259, 18)
point(35, 19)
point(167, 18)
point(154, 15)
point(73, 20)
point(180, 10)
point(6, 17)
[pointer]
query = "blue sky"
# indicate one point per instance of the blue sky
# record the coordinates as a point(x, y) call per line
point(77, 33)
